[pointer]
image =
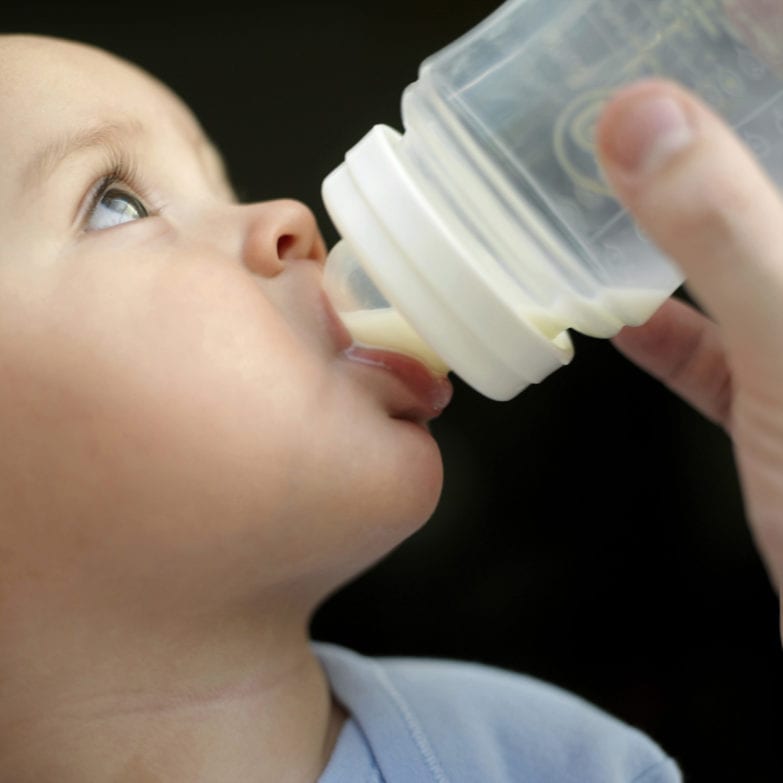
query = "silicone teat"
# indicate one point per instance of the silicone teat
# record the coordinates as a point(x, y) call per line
point(366, 313)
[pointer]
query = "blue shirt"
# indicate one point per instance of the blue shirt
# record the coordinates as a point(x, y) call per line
point(426, 721)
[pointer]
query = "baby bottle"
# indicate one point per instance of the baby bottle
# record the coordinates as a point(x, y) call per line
point(479, 237)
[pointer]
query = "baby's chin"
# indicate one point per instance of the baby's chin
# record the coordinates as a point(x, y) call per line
point(421, 484)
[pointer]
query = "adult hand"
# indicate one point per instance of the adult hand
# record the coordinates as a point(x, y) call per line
point(699, 194)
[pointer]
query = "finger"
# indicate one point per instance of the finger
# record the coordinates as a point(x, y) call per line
point(699, 194)
point(683, 349)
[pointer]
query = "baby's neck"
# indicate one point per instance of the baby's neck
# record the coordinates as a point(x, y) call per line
point(208, 709)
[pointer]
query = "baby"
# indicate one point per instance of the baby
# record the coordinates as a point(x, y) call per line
point(191, 461)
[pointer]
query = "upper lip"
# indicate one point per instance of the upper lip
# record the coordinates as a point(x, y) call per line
point(336, 328)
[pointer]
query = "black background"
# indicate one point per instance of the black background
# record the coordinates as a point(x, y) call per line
point(591, 532)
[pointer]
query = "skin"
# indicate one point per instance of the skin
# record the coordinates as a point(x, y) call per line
point(702, 197)
point(189, 464)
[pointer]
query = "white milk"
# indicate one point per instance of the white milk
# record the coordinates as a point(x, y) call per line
point(386, 328)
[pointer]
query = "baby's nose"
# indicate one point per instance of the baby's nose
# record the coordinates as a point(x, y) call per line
point(280, 231)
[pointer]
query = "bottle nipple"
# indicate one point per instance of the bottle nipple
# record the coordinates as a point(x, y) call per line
point(368, 316)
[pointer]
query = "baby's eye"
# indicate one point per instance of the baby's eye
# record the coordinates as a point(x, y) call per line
point(114, 206)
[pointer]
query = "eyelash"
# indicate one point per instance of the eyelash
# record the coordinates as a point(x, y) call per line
point(118, 169)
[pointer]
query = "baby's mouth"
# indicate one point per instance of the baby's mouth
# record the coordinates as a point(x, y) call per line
point(425, 393)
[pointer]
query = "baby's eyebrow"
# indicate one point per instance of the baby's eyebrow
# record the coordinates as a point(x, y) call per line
point(110, 136)
point(48, 158)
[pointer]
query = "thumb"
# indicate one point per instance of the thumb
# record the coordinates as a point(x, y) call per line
point(699, 194)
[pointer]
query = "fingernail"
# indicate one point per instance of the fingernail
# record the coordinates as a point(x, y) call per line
point(646, 132)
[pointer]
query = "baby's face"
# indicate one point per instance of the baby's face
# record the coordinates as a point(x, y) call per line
point(176, 409)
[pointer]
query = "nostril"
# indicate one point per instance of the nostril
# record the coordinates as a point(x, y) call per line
point(285, 245)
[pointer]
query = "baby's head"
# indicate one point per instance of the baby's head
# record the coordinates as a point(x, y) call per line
point(180, 427)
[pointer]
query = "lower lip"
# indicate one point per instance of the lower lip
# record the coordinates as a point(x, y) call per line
point(429, 394)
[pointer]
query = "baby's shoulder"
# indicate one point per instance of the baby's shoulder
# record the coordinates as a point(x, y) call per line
point(480, 720)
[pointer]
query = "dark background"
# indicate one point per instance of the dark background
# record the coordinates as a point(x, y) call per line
point(591, 532)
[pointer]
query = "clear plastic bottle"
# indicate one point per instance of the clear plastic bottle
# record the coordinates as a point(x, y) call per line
point(477, 239)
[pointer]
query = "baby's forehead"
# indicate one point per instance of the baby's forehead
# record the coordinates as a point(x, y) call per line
point(52, 90)
point(49, 81)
